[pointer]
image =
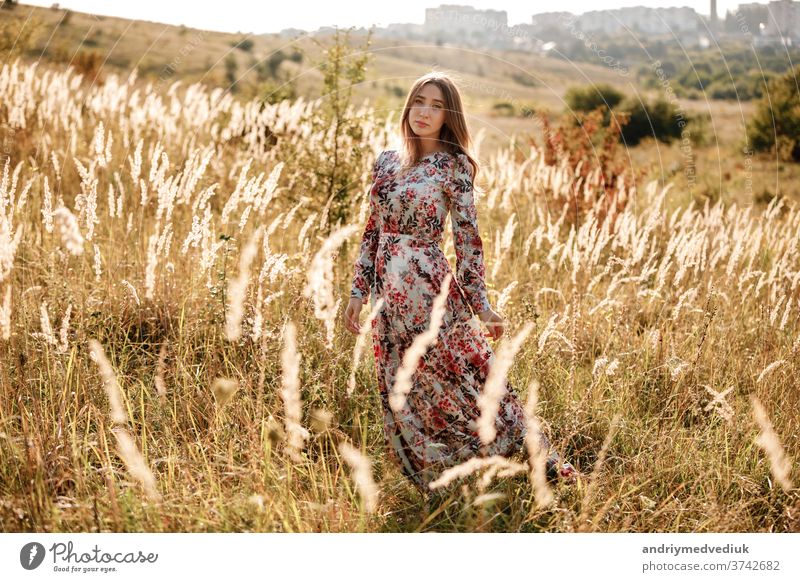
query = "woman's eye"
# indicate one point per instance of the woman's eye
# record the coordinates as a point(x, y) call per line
point(420, 102)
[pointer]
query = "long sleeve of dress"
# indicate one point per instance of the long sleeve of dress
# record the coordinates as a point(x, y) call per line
point(470, 267)
point(364, 267)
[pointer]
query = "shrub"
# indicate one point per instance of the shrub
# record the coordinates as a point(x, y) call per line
point(88, 64)
point(590, 98)
point(503, 109)
point(591, 148)
point(245, 45)
point(655, 119)
point(776, 123)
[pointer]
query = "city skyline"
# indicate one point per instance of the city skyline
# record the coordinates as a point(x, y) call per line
point(241, 16)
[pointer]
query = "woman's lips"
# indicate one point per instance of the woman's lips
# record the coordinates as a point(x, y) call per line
point(422, 124)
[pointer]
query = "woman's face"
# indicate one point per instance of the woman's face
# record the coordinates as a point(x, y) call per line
point(426, 116)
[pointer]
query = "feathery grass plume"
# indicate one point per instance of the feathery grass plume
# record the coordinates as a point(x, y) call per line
point(47, 207)
point(654, 338)
point(509, 469)
point(776, 310)
point(362, 475)
point(258, 315)
point(144, 195)
point(302, 238)
point(110, 384)
point(97, 265)
point(605, 305)
point(604, 367)
point(256, 501)
point(7, 191)
point(135, 463)
point(112, 201)
point(320, 281)
point(86, 200)
point(136, 163)
point(495, 387)
point(98, 145)
point(550, 330)
point(150, 268)
point(56, 164)
point(23, 196)
point(785, 318)
point(273, 431)
point(243, 219)
point(236, 196)
point(161, 385)
point(224, 389)
point(600, 364)
point(132, 289)
point(487, 498)
point(719, 404)
point(71, 236)
point(165, 239)
point(128, 452)
point(780, 465)
point(769, 369)
point(676, 367)
point(4, 194)
point(290, 392)
point(361, 341)
point(121, 197)
point(8, 246)
point(505, 296)
point(320, 420)
point(63, 346)
point(508, 233)
point(413, 354)
point(237, 288)
point(47, 329)
point(506, 468)
point(686, 298)
point(536, 454)
point(5, 315)
point(290, 216)
point(269, 188)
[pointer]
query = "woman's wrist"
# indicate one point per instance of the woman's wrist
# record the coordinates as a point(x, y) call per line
point(485, 313)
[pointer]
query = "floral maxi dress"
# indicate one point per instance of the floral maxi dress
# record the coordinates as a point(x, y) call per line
point(401, 260)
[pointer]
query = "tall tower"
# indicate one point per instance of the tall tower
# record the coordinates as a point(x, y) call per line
point(713, 16)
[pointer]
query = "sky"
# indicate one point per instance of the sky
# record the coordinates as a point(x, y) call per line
point(257, 18)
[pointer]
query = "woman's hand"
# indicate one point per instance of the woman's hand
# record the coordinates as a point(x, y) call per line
point(351, 314)
point(494, 322)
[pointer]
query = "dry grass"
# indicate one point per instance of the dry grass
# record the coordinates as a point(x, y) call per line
point(651, 322)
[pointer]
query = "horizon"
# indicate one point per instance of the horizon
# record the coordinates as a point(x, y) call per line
point(312, 15)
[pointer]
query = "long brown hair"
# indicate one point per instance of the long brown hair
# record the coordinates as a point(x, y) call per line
point(454, 134)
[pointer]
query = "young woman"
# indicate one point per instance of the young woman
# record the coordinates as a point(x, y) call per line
point(401, 261)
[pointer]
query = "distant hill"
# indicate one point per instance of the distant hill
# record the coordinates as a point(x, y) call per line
point(118, 45)
point(500, 88)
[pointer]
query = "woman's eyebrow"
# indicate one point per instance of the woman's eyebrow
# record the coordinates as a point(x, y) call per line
point(421, 97)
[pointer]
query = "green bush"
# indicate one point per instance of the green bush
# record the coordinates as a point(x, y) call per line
point(590, 98)
point(245, 45)
point(504, 109)
point(524, 79)
point(776, 123)
point(655, 119)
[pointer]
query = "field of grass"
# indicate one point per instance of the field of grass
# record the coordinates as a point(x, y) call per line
point(187, 232)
